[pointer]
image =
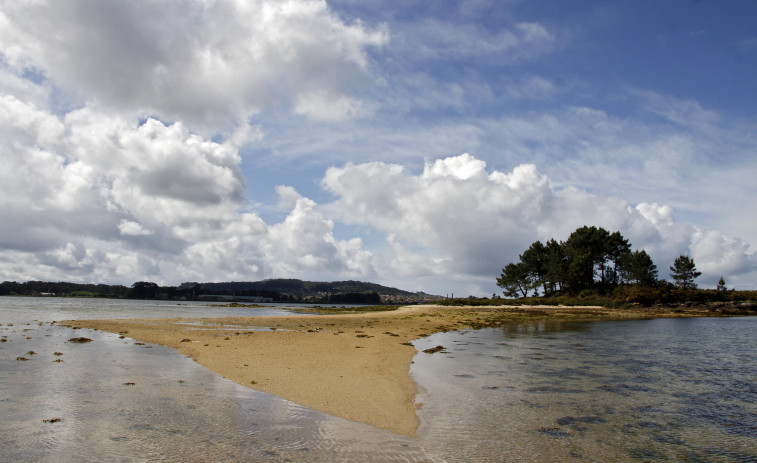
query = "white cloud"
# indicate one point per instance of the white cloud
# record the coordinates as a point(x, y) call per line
point(127, 227)
point(435, 38)
point(324, 107)
point(95, 197)
point(121, 124)
point(210, 64)
point(687, 113)
point(106, 190)
point(457, 217)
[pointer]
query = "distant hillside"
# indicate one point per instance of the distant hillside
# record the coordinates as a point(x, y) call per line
point(311, 291)
point(277, 290)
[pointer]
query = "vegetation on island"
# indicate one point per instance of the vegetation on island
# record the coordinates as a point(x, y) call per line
point(594, 266)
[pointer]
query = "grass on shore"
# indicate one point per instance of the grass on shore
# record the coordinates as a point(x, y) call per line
point(350, 310)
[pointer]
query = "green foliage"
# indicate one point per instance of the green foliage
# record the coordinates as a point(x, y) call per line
point(591, 258)
point(721, 285)
point(359, 309)
point(516, 280)
point(143, 290)
point(596, 267)
point(637, 268)
point(684, 272)
point(61, 288)
point(623, 296)
point(280, 290)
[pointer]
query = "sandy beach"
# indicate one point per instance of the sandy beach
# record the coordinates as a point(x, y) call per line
point(350, 365)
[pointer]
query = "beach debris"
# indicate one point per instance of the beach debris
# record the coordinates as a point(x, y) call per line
point(81, 340)
point(31, 352)
point(390, 333)
point(569, 420)
point(363, 336)
point(434, 350)
point(129, 384)
point(22, 359)
point(553, 432)
point(186, 340)
point(58, 360)
point(53, 420)
point(139, 344)
point(58, 353)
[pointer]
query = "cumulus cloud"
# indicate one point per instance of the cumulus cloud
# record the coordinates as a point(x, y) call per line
point(122, 123)
point(98, 198)
point(459, 217)
point(127, 227)
point(210, 64)
point(91, 195)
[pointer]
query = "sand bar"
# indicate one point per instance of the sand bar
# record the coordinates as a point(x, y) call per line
point(350, 365)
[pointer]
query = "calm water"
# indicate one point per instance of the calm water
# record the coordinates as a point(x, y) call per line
point(659, 390)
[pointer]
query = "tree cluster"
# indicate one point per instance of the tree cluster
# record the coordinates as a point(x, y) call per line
point(279, 290)
point(590, 259)
point(62, 287)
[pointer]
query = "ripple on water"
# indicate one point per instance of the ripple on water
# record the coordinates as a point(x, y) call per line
point(118, 400)
point(500, 398)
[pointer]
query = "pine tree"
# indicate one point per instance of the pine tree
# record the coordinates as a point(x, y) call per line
point(637, 268)
point(721, 285)
point(684, 272)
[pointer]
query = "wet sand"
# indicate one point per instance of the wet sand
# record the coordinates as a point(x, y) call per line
point(355, 366)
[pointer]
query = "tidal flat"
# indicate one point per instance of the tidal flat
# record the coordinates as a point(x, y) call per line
point(509, 384)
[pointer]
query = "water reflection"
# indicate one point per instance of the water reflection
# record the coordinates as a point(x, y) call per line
point(666, 390)
point(114, 400)
point(659, 390)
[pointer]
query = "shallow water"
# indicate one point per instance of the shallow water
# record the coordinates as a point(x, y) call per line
point(119, 400)
point(655, 390)
point(658, 390)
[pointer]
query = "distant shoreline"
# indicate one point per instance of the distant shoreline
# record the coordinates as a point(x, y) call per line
point(356, 365)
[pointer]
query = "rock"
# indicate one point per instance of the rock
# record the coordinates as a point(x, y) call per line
point(434, 350)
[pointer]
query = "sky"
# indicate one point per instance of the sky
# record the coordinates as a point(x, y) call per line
point(420, 145)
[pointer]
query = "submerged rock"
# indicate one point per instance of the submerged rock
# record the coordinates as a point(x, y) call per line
point(434, 350)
